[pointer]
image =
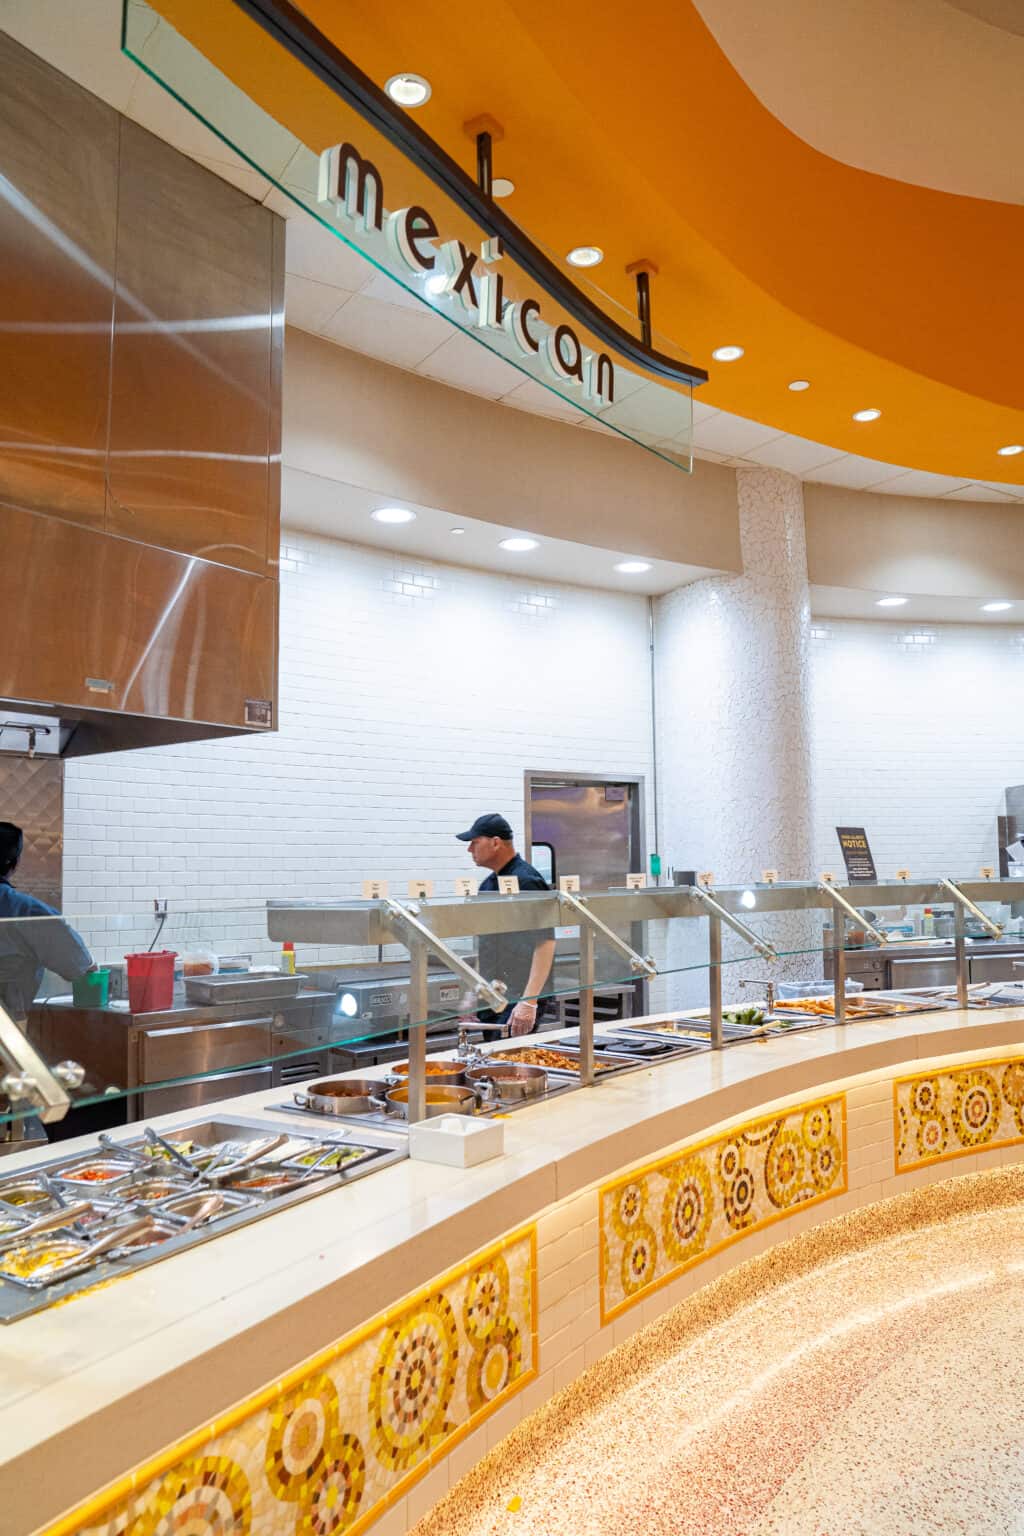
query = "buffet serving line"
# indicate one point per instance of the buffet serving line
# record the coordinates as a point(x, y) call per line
point(136, 1366)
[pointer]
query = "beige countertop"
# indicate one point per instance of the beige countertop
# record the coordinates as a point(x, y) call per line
point(118, 1373)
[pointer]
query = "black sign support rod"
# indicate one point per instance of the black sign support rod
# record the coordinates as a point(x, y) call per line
point(484, 164)
point(295, 32)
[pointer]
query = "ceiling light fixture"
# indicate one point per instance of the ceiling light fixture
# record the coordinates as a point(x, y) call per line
point(891, 602)
point(1010, 449)
point(456, 530)
point(408, 90)
point(436, 284)
point(585, 256)
point(502, 187)
point(995, 607)
point(633, 567)
point(393, 515)
point(517, 546)
point(872, 413)
point(796, 385)
point(727, 354)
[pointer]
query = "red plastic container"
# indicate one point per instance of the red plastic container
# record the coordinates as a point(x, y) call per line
point(151, 980)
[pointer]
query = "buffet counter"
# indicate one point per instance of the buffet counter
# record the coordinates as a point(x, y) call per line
point(527, 1268)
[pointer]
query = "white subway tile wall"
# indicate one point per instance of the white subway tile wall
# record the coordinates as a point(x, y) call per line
point(413, 696)
point(917, 730)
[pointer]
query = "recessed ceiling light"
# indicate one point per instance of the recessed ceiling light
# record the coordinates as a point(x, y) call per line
point(995, 607)
point(456, 530)
point(1010, 449)
point(585, 256)
point(502, 187)
point(408, 90)
point(891, 602)
point(393, 515)
point(633, 567)
point(727, 354)
point(796, 385)
point(872, 413)
point(518, 546)
point(436, 284)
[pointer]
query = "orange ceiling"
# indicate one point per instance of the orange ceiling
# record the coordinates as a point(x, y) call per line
point(629, 128)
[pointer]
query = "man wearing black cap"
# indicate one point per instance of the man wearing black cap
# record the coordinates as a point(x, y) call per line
point(521, 960)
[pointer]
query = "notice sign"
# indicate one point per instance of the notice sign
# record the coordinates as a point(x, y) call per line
point(860, 866)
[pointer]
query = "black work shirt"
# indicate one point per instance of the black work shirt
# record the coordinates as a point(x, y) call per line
point(508, 957)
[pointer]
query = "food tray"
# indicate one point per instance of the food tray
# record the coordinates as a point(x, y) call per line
point(235, 987)
point(562, 1060)
point(696, 1029)
point(642, 1047)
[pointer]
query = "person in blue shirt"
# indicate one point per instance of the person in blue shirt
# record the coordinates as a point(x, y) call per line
point(37, 940)
point(521, 960)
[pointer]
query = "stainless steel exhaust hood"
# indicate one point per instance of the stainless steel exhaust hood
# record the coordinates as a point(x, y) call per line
point(141, 300)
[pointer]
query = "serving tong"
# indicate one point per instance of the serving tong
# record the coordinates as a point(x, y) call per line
point(64, 1216)
point(218, 1169)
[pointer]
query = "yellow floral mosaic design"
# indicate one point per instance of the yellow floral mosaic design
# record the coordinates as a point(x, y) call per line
point(326, 1450)
point(674, 1213)
point(952, 1113)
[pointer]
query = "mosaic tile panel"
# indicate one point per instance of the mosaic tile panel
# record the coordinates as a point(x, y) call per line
point(328, 1448)
point(952, 1113)
point(665, 1217)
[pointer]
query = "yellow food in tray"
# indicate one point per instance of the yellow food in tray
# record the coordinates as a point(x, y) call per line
point(32, 1261)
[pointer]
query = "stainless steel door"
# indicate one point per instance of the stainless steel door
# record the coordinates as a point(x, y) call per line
point(185, 1050)
point(922, 973)
point(592, 828)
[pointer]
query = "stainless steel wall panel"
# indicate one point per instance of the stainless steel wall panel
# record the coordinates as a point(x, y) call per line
point(173, 636)
point(191, 411)
point(58, 213)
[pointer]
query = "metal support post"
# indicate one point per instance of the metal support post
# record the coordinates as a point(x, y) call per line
point(643, 965)
point(960, 947)
point(839, 961)
point(586, 1005)
point(715, 980)
point(418, 1005)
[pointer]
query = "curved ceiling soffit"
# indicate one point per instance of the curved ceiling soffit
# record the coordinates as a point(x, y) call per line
point(880, 293)
point(925, 91)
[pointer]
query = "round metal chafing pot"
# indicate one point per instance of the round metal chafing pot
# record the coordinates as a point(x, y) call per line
point(511, 1079)
point(342, 1096)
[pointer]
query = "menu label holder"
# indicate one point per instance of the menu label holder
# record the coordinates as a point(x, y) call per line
point(421, 890)
point(374, 890)
point(464, 886)
point(769, 876)
point(570, 883)
point(986, 872)
point(636, 882)
point(508, 885)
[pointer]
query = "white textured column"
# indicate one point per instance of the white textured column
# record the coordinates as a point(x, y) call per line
point(733, 707)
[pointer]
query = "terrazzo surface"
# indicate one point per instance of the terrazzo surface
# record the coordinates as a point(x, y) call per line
point(865, 1378)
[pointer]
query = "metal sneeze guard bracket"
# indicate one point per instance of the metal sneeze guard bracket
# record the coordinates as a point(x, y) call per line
point(964, 904)
point(717, 915)
point(421, 943)
point(592, 928)
point(28, 1079)
point(842, 909)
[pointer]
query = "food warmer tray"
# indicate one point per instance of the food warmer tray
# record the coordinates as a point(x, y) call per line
point(648, 1049)
point(610, 1064)
point(17, 1301)
point(379, 1120)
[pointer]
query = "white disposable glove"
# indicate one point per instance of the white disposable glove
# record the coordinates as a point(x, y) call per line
point(523, 1018)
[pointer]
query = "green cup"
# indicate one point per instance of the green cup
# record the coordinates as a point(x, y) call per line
point(91, 990)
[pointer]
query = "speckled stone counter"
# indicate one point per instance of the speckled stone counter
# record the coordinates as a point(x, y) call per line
point(335, 1366)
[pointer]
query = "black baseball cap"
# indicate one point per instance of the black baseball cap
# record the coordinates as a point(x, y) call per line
point(489, 825)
